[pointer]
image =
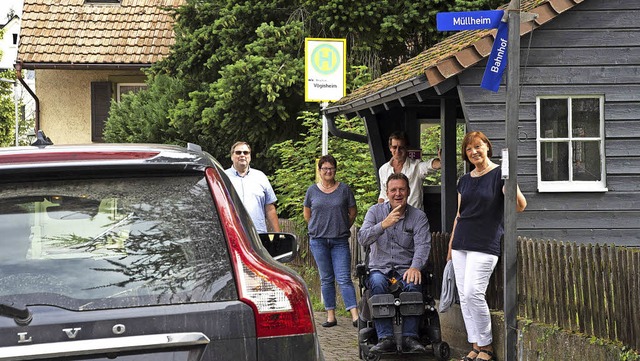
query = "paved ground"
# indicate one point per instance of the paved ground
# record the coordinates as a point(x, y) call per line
point(340, 343)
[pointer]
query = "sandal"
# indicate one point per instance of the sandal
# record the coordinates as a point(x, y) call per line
point(467, 358)
point(489, 353)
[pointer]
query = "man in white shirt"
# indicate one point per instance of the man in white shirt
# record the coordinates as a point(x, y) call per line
point(416, 170)
point(254, 189)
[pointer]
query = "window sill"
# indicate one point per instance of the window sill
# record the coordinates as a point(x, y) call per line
point(571, 187)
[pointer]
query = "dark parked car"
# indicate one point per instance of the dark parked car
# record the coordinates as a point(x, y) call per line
point(140, 252)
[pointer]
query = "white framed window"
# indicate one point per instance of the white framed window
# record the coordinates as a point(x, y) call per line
point(123, 88)
point(570, 143)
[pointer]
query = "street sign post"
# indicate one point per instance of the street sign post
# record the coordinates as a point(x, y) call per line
point(506, 46)
point(510, 247)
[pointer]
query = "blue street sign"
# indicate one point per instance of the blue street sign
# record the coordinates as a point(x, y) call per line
point(468, 20)
point(497, 59)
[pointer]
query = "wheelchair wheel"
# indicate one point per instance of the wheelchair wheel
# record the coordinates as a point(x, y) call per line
point(373, 357)
point(364, 352)
point(441, 351)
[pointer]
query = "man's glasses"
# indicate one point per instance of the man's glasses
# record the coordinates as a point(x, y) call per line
point(324, 169)
point(245, 152)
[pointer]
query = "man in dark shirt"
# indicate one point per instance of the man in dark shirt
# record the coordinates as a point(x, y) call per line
point(400, 241)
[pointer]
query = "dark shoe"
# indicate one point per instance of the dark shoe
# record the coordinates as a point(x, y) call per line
point(410, 344)
point(384, 345)
point(355, 323)
point(469, 358)
point(488, 353)
point(330, 323)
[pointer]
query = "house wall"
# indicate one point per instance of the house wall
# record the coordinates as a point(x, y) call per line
point(591, 49)
point(65, 101)
point(7, 46)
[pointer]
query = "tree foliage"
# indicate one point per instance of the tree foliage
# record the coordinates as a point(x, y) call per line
point(382, 34)
point(236, 71)
point(298, 161)
point(7, 111)
point(144, 116)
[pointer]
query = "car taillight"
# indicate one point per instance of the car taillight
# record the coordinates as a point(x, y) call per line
point(265, 295)
point(278, 298)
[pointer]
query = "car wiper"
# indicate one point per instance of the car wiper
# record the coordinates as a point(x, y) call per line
point(21, 315)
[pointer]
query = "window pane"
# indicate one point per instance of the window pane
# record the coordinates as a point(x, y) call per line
point(124, 89)
point(554, 118)
point(586, 117)
point(586, 161)
point(107, 243)
point(556, 160)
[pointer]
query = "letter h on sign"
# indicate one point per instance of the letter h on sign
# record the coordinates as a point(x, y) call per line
point(325, 59)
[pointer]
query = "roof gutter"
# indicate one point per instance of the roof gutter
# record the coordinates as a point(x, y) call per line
point(18, 66)
point(85, 66)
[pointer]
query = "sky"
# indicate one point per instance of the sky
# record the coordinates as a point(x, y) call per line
point(6, 5)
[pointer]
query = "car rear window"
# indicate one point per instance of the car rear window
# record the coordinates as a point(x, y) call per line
point(109, 243)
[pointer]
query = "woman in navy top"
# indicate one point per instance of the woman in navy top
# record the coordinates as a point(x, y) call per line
point(474, 246)
point(330, 209)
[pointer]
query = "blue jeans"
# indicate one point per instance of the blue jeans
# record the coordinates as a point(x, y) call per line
point(379, 284)
point(333, 258)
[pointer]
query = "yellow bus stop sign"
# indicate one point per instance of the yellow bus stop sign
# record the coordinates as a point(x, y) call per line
point(325, 69)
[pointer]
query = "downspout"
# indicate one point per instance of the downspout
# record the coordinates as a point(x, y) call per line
point(18, 67)
point(331, 123)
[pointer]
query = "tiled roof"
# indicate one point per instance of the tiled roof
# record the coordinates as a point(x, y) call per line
point(454, 54)
point(70, 32)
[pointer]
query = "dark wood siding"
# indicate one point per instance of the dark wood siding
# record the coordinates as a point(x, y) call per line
point(593, 48)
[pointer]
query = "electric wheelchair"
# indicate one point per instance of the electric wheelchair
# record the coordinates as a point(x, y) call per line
point(396, 305)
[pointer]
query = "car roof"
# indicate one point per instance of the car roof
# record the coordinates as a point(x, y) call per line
point(103, 156)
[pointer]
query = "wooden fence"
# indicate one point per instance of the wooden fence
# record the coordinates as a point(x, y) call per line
point(590, 289)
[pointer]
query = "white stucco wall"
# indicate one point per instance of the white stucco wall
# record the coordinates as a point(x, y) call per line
point(65, 102)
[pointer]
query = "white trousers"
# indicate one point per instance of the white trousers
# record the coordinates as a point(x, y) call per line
point(472, 271)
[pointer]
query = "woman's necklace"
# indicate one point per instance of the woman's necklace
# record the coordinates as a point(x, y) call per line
point(329, 187)
point(477, 173)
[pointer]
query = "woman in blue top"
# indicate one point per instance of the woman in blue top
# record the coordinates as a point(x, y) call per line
point(330, 209)
point(474, 246)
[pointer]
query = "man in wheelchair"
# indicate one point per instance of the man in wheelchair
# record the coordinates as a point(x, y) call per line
point(399, 240)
